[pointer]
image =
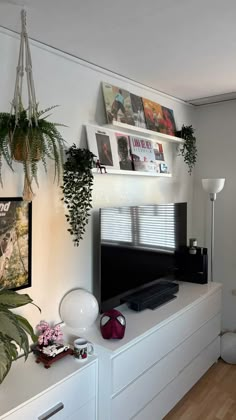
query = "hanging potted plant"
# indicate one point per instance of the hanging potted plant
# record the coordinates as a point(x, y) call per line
point(29, 142)
point(188, 149)
point(14, 330)
point(77, 190)
point(26, 135)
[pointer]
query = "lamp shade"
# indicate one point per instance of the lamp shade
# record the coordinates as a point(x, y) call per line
point(79, 309)
point(213, 185)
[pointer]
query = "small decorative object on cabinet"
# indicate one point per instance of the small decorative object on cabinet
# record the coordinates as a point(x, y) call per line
point(48, 335)
point(77, 190)
point(112, 324)
point(189, 149)
point(25, 134)
point(13, 330)
point(50, 347)
point(79, 309)
point(82, 349)
point(50, 354)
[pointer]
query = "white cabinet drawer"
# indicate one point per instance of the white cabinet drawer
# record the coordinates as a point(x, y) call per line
point(68, 397)
point(168, 398)
point(132, 362)
point(87, 412)
point(147, 386)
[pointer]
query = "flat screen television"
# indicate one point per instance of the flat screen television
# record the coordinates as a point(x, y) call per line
point(136, 248)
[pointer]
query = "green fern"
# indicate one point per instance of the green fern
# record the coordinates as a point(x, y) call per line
point(37, 141)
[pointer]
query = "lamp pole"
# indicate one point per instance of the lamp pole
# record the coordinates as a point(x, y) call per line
point(213, 186)
point(212, 198)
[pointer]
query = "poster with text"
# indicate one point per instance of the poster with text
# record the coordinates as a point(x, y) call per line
point(15, 243)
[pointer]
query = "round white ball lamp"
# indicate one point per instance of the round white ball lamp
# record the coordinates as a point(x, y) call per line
point(228, 347)
point(79, 309)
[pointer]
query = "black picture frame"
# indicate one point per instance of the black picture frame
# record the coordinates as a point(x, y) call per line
point(15, 243)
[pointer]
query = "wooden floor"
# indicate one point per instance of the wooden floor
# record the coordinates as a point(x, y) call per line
point(213, 397)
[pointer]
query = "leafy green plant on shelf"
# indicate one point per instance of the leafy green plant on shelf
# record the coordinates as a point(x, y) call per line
point(14, 330)
point(189, 148)
point(77, 190)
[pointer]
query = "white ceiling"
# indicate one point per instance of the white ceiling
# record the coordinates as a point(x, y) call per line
point(185, 48)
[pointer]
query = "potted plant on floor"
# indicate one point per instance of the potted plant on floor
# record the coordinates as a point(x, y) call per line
point(189, 149)
point(77, 189)
point(14, 330)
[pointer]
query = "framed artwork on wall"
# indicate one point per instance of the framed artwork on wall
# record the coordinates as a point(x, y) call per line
point(103, 144)
point(123, 150)
point(143, 154)
point(167, 125)
point(117, 104)
point(15, 243)
point(153, 114)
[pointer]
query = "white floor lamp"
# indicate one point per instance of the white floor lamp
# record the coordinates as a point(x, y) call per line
point(213, 186)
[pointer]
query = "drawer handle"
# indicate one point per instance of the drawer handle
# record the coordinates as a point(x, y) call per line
point(52, 411)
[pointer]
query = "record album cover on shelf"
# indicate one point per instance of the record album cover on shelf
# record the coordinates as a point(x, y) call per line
point(142, 154)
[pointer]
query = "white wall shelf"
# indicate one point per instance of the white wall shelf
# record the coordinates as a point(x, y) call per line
point(123, 172)
point(111, 130)
point(145, 133)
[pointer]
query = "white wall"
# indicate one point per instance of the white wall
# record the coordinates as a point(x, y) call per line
point(57, 265)
point(216, 159)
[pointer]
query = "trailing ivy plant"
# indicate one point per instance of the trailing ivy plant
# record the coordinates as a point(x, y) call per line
point(14, 330)
point(77, 190)
point(189, 149)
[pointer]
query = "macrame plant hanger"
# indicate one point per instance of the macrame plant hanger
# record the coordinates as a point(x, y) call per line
point(25, 67)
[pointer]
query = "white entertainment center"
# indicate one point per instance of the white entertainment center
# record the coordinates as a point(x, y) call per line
point(163, 354)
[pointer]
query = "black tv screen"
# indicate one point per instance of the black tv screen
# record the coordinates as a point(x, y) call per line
point(137, 246)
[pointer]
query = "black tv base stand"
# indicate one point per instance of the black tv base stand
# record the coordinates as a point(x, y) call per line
point(152, 297)
point(160, 301)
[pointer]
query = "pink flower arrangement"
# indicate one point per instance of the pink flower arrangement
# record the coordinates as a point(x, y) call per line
point(47, 334)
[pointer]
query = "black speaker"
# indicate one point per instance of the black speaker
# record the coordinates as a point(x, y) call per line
point(191, 267)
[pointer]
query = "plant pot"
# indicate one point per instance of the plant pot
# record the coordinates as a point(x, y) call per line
point(21, 148)
point(178, 134)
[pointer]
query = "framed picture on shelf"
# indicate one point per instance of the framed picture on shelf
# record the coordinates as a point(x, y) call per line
point(102, 143)
point(153, 114)
point(167, 125)
point(138, 111)
point(163, 168)
point(123, 149)
point(15, 243)
point(118, 104)
point(143, 154)
point(158, 150)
